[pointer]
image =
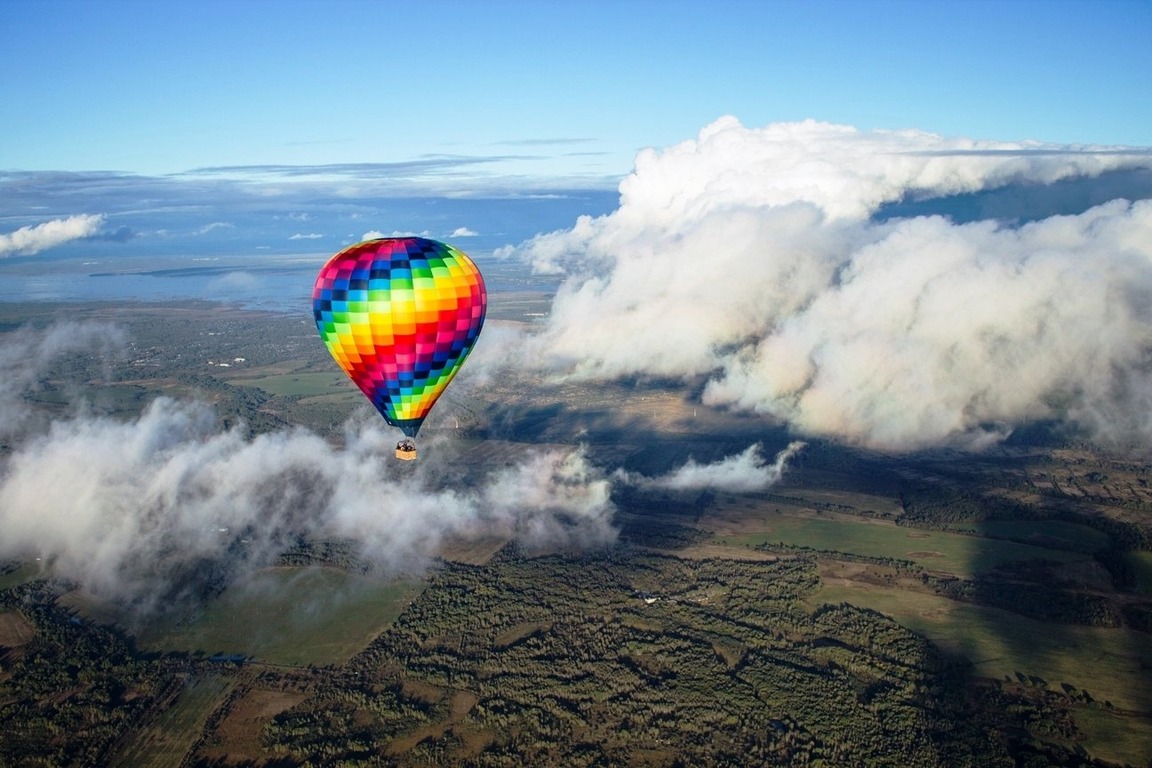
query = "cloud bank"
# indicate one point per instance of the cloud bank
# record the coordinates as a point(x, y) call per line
point(160, 508)
point(30, 240)
point(145, 510)
point(753, 259)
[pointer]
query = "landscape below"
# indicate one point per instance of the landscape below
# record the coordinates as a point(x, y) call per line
point(934, 609)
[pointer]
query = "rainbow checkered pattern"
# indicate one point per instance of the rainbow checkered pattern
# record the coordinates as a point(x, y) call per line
point(400, 315)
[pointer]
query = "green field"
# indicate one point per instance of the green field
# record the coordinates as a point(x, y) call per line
point(1110, 664)
point(300, 384)
point(1045, 533)
point(22, 573)
point(167, 740)
point(294, 616)
point(954, 553)
point(1114, 737)
point(1142, 568)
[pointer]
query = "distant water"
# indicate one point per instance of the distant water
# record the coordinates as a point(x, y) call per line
point(283, 285)
point(273, 286)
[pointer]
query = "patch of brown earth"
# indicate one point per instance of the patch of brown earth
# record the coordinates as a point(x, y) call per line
point(15, 630)
point(241, 732)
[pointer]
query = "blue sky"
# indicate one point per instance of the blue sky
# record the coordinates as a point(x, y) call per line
point(252, 128)
point(567, 90)
point(778, 262)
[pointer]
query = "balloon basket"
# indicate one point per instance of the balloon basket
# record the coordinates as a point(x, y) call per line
point(406, 451)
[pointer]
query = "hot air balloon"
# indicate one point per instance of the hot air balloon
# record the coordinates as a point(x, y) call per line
point(400, 315)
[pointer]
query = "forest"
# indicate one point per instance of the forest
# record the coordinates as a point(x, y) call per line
point(868, 610)
point(615, 658)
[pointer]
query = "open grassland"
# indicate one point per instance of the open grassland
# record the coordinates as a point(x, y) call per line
point(301, 384)
point(19, 574)
point(1110, 664)
point(472, 551)
point(1115, 737)
point(518, 306)
point(953, 553)
point(1141, 563)
point(1056, 534)
point(294, 616)
point(1106, 662)
point(165, 742)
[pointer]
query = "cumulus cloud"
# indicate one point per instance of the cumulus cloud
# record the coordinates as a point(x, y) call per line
point(164, 506)
point(30, 240)
point(740, 473)
point(143, 510)
point(464, 232)
point(753, 259)
point(375, 234)
point(936, 332)
point(544, 500)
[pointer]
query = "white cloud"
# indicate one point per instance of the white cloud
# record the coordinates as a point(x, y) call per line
point(936, 333)
point(141, 510)
point(845, 172)
point(464, 232)
point(375, 234)
point(34, 239)
point(27, 354)
point(146, 502)
point(549, 499)
point(748, 257)
point(213, 226)
point(309, 236)
point(740, 473)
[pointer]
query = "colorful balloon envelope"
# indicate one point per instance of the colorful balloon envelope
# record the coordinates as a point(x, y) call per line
point(400, 315)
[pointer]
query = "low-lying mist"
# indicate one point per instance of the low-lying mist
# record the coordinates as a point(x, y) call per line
point(169, 506)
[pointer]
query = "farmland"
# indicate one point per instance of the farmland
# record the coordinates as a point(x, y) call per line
point(928, 609)
point(952, 553)
point(284, 615)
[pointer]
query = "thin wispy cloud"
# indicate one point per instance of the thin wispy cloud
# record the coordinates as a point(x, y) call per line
point(155, 215)
point(429, 164)
point(207, 228)
point(542, 142)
